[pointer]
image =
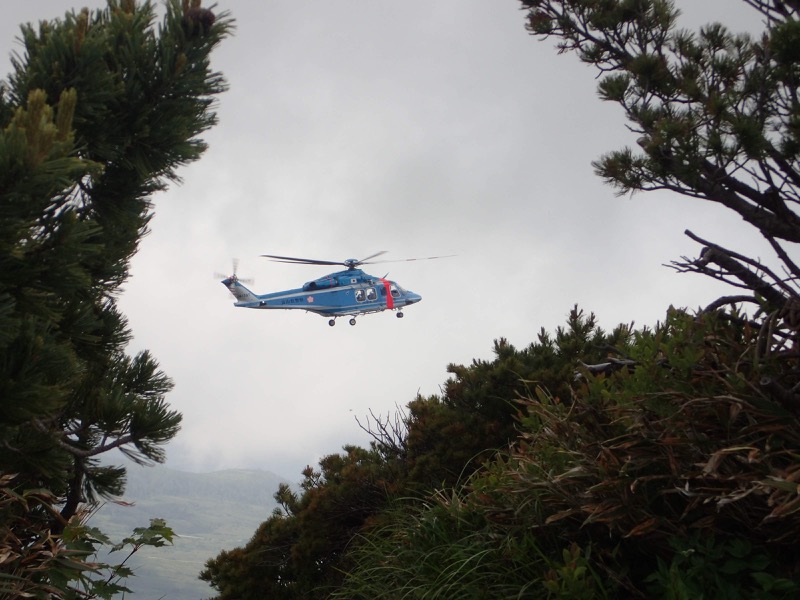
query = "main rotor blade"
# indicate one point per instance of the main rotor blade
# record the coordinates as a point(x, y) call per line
point(300, 261)
point(363, 261)
point(350, 263)
point(411, 259)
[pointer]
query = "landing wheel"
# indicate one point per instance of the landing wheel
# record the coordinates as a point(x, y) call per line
point(399, 315)
point(352, 321)
point(332, 322)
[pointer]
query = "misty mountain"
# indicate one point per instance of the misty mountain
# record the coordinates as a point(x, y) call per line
point(209, 512)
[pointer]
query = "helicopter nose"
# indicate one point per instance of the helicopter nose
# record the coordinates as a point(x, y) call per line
point(413, 298)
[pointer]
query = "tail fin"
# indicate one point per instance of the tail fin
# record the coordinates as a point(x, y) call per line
point(241, 293)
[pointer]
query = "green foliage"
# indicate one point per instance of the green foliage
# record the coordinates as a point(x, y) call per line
point(36, 563)
point(308, 545)
point(716, 115)
point(573, 578)
point(99, 112)
point(449, 437)
point(688, 441)
point(300, 550)
point(459, 543)
point(702, 567)
point(681, 90)
point(88, 577)
point(437, 549)
point(670, 474)
point(666, 468)
point(449, 547)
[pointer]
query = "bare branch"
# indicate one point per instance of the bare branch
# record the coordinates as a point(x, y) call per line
point(58, 438)
point(731, 263)
point(728, 300)
point(388, 434)
point(776, 11)
point(793, 269)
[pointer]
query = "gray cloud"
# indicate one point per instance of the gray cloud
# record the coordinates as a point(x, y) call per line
point(419, 128)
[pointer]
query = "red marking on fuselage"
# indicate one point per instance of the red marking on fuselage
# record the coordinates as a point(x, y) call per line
point(389, 298)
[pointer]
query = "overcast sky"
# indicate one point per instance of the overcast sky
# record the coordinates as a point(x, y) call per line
point(420, 128)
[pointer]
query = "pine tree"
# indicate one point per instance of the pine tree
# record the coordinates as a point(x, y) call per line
point(716, 114)
point(99, 112)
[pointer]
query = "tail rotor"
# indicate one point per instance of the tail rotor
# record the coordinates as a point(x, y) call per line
point(233, 278)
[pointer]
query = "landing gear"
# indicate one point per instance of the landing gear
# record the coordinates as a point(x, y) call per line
point(332, 322)
point(352, 321)
point(399, 315)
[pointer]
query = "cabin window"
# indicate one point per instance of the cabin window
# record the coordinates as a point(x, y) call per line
point(359, 295)
point(371, 294)
point(395, 292)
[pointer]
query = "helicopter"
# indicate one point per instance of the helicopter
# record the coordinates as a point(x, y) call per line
point(350, 292)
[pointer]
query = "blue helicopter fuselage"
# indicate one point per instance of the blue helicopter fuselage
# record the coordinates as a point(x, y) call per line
point(350, 292)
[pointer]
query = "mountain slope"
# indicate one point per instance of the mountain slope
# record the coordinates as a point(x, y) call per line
point(208, 511)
